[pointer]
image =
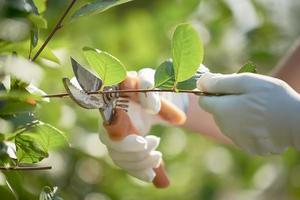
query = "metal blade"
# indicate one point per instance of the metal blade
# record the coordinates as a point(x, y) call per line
point(86, 79)
point(88, 101)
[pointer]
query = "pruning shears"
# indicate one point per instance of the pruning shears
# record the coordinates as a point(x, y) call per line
point(85, 82)
point(116, 121)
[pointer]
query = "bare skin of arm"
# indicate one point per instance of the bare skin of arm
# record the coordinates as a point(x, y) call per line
point(288, 68)
point(201, 121)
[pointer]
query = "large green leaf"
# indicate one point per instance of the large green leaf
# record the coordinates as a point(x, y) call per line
point(33, 145)
point(109, 68)
point(165, 78)
point(187, 52)
point(248, 67)
point(97, 6)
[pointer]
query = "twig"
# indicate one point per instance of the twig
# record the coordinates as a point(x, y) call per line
point(55, 29)
point(199, 93)
point(19, 168)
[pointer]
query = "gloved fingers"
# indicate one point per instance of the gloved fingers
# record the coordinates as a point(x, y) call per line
point(269, 146)
point(224, 83)
point(152, 143)
point(131, 143)
point(145, 175)
point(151, 161)
point(217, 104)
point(249, 145)
point(149, 101)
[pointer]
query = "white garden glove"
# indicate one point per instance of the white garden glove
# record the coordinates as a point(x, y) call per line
point(262, 115)
point(137, 154)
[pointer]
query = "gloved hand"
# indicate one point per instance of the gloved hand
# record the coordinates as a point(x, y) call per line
point(262, 114)
point(136, 153)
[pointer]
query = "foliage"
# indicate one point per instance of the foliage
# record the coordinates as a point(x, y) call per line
point(109, 68)
point(187, 52)
point(97, 6)
point(248, 67)
point(49, 194)
point(33, 143)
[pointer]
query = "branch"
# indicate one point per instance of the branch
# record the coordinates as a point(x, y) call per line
point(199, 93)
point(19, 168)
point(55, 29)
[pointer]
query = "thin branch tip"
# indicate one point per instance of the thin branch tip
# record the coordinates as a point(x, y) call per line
point(199, 93)
point(58, 26)
point(25, 168)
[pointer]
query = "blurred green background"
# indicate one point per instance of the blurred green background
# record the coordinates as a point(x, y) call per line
point(138, 33)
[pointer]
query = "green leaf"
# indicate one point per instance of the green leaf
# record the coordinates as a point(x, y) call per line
point(187, 52)
point(34, 38)
point(5, 159)
point(22, 49)
point(10, 108)
point(33, 6)
point(18, 96)
point(97, 6)
point(248, 67)
point(164, 76)
point(51, 137)
point(109, 68)
point(38, 21)
point(49, 194)
point(46, 53)
point(28, 149)
point(33, 144)
point(40, 5)
point(189, 84)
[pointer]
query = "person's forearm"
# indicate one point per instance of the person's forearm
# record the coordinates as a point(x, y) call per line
point(202, 122)
point(288, 68)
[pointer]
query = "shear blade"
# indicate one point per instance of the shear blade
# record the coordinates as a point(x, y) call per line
point(86, 79)
point(88, 101)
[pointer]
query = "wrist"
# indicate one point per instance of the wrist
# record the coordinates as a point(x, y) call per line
point(295, 125)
